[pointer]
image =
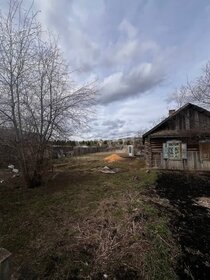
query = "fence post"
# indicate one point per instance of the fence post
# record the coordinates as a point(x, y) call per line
point(5, 264)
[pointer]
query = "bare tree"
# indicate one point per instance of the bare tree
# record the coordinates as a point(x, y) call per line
point(197, 91)
point(180, 96)
point(200, 89)
point(38, 100)
point(141, 132)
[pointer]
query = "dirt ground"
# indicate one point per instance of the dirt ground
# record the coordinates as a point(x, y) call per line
point(189, 212)
point(85, 224)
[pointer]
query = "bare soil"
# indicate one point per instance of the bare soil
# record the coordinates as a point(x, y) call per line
point(188, 197)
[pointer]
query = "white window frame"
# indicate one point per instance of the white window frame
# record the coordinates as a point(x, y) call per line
point(173, 145)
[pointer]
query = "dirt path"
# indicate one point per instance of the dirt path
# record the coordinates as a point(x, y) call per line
point(189, 197)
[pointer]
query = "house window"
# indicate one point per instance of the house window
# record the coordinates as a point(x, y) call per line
point(174, 150)
point(205, 150)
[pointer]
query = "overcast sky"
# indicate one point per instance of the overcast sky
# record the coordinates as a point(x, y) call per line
point(139, 51)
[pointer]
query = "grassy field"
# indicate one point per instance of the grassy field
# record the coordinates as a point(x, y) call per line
point(84, 224)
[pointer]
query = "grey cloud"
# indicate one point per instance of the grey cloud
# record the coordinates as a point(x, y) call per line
point(108, 128)
point(124, 53)
point(112, 134)
point(129, 47)
point(114, 123)
point(119, 134)
point(122, 85)
point(63, 17)
point(128, 117)
point(128, 28)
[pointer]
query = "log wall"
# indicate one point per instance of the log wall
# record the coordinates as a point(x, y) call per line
point(154, 155)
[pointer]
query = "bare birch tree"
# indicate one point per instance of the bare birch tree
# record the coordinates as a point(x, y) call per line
point(37, 98)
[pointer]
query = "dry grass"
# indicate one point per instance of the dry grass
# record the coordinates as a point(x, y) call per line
point(84, 224)
point(115, 235)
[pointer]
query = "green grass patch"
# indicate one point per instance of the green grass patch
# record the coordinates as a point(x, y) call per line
point(159, 259)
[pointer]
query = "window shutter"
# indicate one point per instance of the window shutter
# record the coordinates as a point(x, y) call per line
point(165, 151)
point(184, 151)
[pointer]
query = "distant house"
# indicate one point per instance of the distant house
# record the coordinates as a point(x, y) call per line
point(181, 141)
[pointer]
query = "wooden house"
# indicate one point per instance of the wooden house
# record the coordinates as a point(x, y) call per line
point(181, 141)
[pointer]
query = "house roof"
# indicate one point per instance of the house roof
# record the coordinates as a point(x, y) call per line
point(188, 105)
